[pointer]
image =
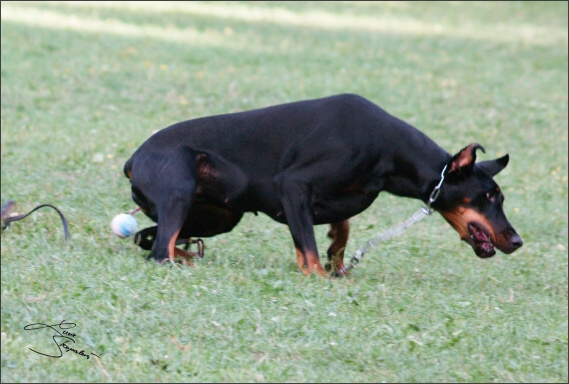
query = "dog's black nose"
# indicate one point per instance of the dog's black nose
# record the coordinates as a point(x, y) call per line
point(517, 241)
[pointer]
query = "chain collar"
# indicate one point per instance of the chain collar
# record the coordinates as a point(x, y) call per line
point(435, 193)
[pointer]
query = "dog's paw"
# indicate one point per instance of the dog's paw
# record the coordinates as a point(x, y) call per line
point(336, 274)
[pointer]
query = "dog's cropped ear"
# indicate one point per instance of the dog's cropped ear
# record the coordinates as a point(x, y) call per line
point(493, 167)
point(463, 162)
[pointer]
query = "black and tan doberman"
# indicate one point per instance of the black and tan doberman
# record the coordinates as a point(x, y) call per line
point(305, 163)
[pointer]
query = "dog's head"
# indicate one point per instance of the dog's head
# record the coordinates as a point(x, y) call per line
point(472, 202)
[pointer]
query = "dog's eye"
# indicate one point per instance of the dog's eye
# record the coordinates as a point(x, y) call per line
point(493, 195)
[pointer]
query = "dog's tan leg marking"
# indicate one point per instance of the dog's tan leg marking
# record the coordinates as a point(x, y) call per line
point(172, 246)
point(309, 263)
point(301, 262)
point(173, 251)
point(339, 233)
point(185, 255)
point(314, 265)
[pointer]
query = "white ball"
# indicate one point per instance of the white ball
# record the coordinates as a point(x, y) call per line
point(124, 225)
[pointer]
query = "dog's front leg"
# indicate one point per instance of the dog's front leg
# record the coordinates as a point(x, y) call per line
point(339, 233)
point(295, 198)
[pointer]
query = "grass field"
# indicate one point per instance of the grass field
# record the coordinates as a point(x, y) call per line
point(84, 84)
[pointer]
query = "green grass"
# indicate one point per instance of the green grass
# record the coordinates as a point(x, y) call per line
point(84, 84)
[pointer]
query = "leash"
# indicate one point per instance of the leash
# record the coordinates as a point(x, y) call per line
point(10, 204)
point(397, 229)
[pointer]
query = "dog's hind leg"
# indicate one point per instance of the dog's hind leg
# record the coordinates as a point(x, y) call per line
point(172, 207)
point(339, 232)
point(145, 238)
point(164, 187)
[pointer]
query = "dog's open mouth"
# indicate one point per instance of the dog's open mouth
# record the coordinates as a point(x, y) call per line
point(481, 241)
